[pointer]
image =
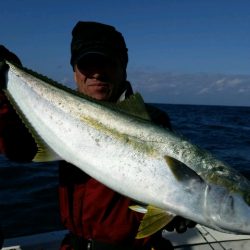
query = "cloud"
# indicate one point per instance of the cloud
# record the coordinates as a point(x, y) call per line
point(221, 81)
point(65, 80)
point(198, 88)
point(235, 82)
point(231, 82)
point(203, 91)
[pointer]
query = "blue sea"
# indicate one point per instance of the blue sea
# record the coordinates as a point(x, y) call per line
point(28, 193)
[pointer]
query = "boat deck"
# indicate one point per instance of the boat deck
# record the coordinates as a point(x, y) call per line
point(199, 238)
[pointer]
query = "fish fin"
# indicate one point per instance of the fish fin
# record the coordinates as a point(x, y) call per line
point(154, 220)
point(181, 171)
point(139, 209)
point(134, 105)
point(44, 152)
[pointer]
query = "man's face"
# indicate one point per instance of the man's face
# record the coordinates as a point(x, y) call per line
point(98, 76)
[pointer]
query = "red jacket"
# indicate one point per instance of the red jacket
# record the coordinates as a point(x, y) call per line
point(88, 208)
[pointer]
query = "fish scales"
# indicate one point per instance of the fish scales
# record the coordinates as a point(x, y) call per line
point(131, 155)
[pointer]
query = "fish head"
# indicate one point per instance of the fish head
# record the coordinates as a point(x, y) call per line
point(235, 213)
point(231, 212)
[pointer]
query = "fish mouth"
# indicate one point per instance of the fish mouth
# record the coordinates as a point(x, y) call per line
point(234, 214)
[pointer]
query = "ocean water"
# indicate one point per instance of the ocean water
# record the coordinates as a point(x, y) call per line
point(28, 192)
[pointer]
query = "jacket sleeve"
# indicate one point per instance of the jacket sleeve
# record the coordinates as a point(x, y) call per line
point(16, 143)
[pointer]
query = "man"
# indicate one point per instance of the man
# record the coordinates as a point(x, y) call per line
point(96, 216)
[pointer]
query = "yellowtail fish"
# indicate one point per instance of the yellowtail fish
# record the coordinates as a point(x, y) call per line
point(118, 145)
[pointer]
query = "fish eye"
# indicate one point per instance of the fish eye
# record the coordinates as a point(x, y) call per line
point(220, 168)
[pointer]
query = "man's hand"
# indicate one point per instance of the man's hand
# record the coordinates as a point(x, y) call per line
point(6, 55)
point(3, 74)
point(180, 225)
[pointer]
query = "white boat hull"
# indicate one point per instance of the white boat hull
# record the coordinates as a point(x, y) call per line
point(199, 238)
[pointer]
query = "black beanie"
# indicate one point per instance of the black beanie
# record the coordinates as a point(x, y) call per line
point(93, 37)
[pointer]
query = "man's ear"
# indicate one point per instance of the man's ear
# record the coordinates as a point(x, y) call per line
point(74, 67)
point(76, 72)
point(75, 76)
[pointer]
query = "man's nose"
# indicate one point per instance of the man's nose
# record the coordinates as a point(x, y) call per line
point(102, 76)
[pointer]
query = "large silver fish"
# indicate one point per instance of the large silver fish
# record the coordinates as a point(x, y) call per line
point(119, 146)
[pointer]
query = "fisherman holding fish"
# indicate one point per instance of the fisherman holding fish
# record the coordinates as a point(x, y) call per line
point(96, 216)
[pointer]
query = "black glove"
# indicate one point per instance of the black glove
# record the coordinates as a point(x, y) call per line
point(180, 225)
point(5, 54)
point(1, 238)
point(3, 74)
point(157, 242)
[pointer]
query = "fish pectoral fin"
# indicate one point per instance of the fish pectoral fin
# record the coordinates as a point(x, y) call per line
point(181, 171)
point(134, 105)
point(154, 220)
point(44, 152)
point(139, 209)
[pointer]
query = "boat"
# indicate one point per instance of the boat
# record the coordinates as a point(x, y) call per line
point(198, 238)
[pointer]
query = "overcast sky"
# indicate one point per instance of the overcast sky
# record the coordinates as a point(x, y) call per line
point(180, 51)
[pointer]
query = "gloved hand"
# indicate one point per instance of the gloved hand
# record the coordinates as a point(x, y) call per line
point(160, 243)
point(180, 225)
point(5, 54)
point(3, 74)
